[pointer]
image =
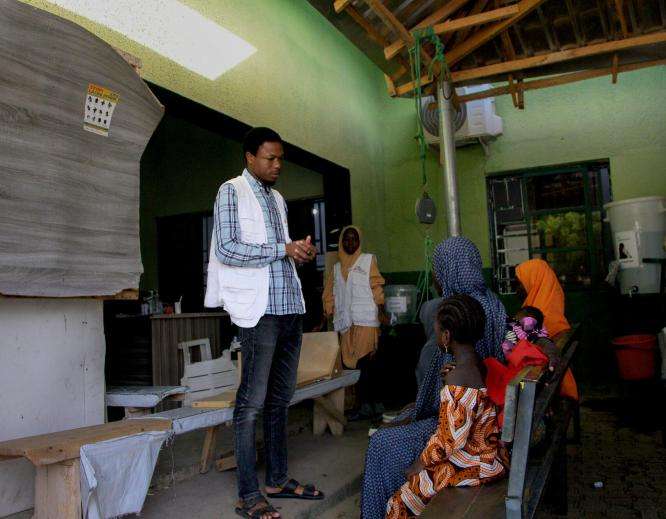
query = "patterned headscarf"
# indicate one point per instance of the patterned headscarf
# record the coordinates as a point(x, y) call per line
point(457, 266)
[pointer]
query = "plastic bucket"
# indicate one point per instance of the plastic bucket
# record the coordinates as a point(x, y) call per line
point(639, 228)
point(635, 356)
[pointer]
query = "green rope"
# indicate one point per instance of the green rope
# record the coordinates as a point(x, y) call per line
point(428, 35)
point(424, 280)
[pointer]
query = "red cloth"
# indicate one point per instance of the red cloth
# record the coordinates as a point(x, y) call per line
point(499, 375)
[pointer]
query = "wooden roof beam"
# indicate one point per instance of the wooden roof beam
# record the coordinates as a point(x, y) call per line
point(632, 17)
point(443, 12)
point(552, 45)
point(462, 50)
point(341, 5)
point(619, 9)
point(476, 19)
point(517, 95)
point(389, 19)
point(573, 16)
point(482, 36)
point(458, 24)
point(377, 36)
point(557, 57)
point(562, 80)
point(479, 6)
point(602, 19)
point(508, 45)
point(527, 49)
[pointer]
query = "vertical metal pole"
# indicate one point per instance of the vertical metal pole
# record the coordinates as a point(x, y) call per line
point(447, 155)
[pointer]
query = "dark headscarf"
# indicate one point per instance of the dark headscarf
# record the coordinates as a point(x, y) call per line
point(457, 265)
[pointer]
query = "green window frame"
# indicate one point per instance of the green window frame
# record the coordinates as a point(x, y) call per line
point(572, 237)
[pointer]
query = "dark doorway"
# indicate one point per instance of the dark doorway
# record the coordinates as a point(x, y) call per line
point(181, 251)
point(305, 217)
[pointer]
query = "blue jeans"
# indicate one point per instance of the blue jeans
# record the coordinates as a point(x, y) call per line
point(270, 353)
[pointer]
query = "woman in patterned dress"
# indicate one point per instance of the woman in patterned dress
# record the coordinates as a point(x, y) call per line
point(457, 270)
point(464, 450)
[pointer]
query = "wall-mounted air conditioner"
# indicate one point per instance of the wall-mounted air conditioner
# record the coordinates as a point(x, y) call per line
point(476, 120)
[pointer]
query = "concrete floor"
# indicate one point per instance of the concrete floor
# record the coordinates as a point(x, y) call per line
point(626, 454)
point(334, 464)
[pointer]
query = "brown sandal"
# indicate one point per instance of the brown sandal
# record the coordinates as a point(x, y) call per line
point(253, 509)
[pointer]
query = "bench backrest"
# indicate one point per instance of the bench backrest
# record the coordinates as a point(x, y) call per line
point(526, 403)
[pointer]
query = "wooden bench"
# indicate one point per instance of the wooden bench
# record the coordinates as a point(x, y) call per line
point(536, 471)
point(141, 400)
point(56, 460)
point(211, 413)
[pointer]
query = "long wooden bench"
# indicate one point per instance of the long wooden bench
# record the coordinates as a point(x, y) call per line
point(56, 460)
point(536, 470)
point(210, 414)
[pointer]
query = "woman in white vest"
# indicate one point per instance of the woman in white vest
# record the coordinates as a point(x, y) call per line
point(354, 296)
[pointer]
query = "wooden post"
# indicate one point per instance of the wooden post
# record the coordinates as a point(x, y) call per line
point(208, 450)
point(328, 411)
point(58, 490)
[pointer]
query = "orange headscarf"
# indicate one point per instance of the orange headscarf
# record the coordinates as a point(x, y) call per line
point(544, 292)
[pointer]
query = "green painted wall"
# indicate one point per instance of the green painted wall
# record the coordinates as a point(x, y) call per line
point(313, 86)
point(594, 119)
point(306, 81)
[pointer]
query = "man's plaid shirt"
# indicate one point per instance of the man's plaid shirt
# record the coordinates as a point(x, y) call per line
point(284, 293)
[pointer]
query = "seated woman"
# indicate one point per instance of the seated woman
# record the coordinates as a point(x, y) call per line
point(541, 289)
point(457, 269)
point(464, 450)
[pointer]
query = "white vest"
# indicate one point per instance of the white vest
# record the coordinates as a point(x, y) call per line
point(354, 302)
point(243, 291)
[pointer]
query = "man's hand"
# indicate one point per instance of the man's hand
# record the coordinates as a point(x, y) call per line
point(301, 251)
point(311, 250)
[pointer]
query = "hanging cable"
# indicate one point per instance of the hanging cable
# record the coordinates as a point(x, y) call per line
point(429, 36)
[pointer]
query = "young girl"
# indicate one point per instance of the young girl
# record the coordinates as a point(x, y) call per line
point(464, 450)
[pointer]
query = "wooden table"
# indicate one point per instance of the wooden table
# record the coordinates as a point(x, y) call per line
point(56, 460)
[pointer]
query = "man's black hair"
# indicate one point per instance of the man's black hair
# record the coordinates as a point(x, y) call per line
point(463, 317)
point(256, 137)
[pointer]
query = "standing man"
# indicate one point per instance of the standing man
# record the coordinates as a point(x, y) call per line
point(252, 273)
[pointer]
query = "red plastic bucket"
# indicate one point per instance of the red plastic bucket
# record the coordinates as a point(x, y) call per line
point(635, 356)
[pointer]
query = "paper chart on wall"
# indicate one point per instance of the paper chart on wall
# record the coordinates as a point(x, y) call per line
point(99, 107)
